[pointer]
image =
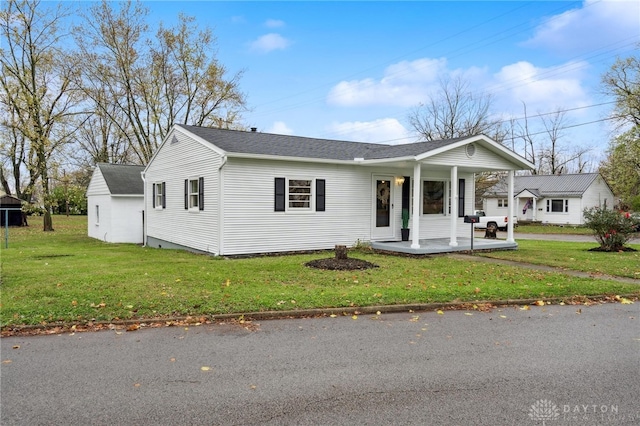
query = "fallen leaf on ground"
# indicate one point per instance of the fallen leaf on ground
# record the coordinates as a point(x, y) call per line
point(205, 368)
point(355, 317)
point(333, 315)
point(439, 312)
point(539, 303)
point(503, 316)
point(16, 347)
point(468, 313)
point(525, 308)
point(626, 301)
point(7, 361)
point(133, 327)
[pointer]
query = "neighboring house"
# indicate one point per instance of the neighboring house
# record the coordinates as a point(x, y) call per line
point(228, 192)
point(115, 203)
point(554, 199)
point(10, 211)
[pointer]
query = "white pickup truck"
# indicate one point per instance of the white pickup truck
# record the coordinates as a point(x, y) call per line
point(492, 222)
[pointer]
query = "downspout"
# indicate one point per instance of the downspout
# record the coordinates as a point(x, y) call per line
point(144, 209)
point(510, 238)
point(453, 242)
point(221, 207)
point(415, 225)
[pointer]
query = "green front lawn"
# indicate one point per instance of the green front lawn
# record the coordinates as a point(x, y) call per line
point(66, 276)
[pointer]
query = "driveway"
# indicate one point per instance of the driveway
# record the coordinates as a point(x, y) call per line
point(563, 365)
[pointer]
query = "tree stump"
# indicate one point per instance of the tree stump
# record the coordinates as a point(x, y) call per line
point(341, 252)
point(490, 233)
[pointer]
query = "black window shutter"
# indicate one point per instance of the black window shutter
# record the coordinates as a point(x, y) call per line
point(153, 190)
point(461, 198)
point(320, 187)
point(186, 194)
point(164, 195)
point(201, 193)
point(406, 193)
point(280, 195)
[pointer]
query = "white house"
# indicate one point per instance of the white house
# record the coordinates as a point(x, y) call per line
point(115, 203)
point(228, 192)
point(554, 199)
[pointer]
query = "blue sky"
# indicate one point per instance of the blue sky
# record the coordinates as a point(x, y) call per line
point(354, 70)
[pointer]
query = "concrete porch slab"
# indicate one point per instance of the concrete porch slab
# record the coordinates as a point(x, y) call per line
point(441, 245)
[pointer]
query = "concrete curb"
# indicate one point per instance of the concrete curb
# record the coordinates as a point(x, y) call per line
point(310, 313)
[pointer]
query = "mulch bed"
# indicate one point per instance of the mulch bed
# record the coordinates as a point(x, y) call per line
point(612, 251)
point(335, 264)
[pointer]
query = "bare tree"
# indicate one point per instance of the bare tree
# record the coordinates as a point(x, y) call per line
point(455, 112)
point(36, 87)
point(144, 85)
point(622, 82)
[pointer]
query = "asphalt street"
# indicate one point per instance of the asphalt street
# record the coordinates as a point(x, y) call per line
point(554, 365)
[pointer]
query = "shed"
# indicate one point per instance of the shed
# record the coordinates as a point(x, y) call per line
point(11, 203)
point(115, 203)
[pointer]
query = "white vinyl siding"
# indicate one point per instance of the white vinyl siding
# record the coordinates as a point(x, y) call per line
point(174, 163)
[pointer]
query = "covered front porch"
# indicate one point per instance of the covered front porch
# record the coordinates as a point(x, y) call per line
point(442, 245)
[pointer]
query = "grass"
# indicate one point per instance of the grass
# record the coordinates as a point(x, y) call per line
point(575, 256)
point(66, 276)
point(552, 229)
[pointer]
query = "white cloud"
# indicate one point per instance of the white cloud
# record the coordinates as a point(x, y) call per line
point(384, 130)
point(596, 24)
point(274, 23)
point(280, 128)
point(269, 42)
point(543, 89)
point(403, 84)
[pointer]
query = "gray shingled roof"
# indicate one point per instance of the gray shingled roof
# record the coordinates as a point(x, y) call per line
point(569, 185)
point(123, 179)
point(240, 142)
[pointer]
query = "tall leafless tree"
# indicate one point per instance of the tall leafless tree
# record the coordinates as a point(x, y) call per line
point(455, 111)
point(37, 90)
point(144, 84)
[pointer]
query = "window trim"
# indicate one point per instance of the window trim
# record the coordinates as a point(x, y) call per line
point(159, 199)
point(198, 194)
point(565, 205)
point(317, 195)
point(503, 203)
point(97, 214)
point(446, 197)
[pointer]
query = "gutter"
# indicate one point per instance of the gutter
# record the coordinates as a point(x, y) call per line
point(144, 209)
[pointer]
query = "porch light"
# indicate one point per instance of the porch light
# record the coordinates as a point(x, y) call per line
point(399, 180)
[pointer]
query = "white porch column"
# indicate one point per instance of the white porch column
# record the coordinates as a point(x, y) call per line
point(510, 238)
point(415, 224)
point(454, 207)
point(535, 208)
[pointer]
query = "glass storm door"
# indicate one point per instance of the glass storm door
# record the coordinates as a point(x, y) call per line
point(383, 207)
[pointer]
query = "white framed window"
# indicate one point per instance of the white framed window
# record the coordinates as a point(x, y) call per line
point(503, 202)
point(433, 197)
point(194, 194)
point(97, 214)
point(558, 205)
point(299, 192)
point(159, 197)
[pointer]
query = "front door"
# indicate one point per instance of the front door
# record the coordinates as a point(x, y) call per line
point(383, 223)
